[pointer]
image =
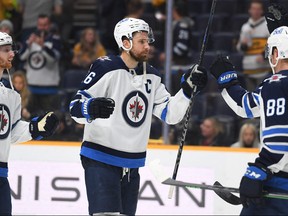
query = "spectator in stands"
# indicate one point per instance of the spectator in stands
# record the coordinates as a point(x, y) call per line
point(66, 20)
point(31, 9)
point(6, 26)
point(135, 9)
point(20, 84)
point(248, 137)
point(181, 48)
point(87, 49)
point(5, 5)
point(212, 132)
point(41, 53)
point(252, 41)
point(160, 9)
point(111, 12)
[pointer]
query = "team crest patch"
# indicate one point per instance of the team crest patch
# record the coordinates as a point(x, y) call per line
point(36, 60)
point(276, 78)
point(4, 121)
point(134, 108)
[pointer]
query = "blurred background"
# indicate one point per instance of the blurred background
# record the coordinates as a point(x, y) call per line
point(82, 31)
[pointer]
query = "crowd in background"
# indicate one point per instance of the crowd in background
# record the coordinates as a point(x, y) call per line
point(57, 41)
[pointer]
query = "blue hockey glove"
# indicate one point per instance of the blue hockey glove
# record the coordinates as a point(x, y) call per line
point(43, 126)
point(276, 16)
point(224, 72)
point(98, 108)
point(194, 78)
point(251, 186)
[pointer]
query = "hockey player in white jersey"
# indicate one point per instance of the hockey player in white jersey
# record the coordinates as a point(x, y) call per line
point(269, 172)
point(116, 101)
point(12, 128)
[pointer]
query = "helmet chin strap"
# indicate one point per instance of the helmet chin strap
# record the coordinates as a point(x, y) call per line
point(273, 65)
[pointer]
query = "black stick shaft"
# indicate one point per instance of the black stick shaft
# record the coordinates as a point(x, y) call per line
point(187, 116)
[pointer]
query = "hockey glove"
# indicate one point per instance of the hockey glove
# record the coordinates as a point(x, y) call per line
point(195, 79)
point(98, 108)
point(224, 72)
point(251, 186)
point(276, 16)
point(43, 126)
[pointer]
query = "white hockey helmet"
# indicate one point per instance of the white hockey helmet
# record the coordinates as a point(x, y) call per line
point(277, 39)
point(5, 39)
point(127, 26)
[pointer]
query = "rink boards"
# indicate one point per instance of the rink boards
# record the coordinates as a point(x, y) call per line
point(47, 178)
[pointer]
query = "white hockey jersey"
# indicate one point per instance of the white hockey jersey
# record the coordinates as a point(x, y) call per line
point(12, 128)
point(121, 140)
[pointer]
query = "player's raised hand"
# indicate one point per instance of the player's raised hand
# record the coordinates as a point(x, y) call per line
point(276, 16)
point(224, 72)
point(194, 78)
point(43, 126)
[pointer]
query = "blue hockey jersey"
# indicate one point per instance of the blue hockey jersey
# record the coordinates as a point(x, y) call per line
point(269, 103)
point(121, 140)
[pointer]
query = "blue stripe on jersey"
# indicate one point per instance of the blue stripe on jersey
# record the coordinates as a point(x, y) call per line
point(277, 147)
point(274, 131)
point(110, 159)
point(84, 93)
point(278, 182)
point(246, 107)
point(164, 113)
point(3, 172)
point(256, 97)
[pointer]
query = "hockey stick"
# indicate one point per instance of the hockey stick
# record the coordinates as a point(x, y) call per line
point(224, 192)
point(191, 102)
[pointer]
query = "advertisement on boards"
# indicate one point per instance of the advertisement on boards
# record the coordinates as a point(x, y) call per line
point(58, 188)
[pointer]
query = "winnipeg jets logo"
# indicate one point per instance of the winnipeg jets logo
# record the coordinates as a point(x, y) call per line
point(4, 121)
point(134, 108)
point(276, 78)
point(36, 60)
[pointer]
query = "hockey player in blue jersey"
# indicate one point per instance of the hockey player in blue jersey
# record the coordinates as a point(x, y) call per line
point(269, 172)
point(116, 102)
point(12, 128)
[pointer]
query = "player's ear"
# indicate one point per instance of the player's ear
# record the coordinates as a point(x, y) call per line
point(275, 52)
point(126, 43)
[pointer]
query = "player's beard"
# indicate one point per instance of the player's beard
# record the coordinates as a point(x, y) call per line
point(5, 64)
point(139, 57)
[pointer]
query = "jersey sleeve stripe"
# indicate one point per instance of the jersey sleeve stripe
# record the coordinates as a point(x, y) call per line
point(247, 106)
point(84, 93)
point(256, 99)
point(164, 113)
